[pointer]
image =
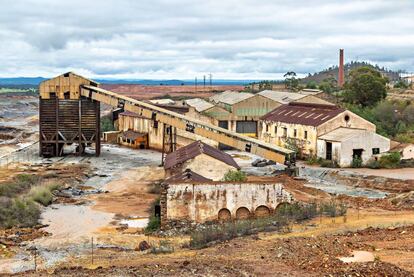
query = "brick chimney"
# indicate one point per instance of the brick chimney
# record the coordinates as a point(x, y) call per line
point(341, 72)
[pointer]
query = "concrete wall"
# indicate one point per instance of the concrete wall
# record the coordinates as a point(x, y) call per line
point(354, 121)
point(208, 167)
point(342, 151)
point(203, 201)
point(313, 100)
point(274, 134)
point(408, 152)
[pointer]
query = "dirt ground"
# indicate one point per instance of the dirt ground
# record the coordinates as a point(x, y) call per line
point(142, 92)
point(312, 249)
point(129, 195)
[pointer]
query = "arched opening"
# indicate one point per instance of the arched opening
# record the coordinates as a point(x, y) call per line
point(242, 213)
point(262, 211)
point(284, 209)
point(224, 215)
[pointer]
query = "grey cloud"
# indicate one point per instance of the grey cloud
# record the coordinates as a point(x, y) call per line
point(159, 38)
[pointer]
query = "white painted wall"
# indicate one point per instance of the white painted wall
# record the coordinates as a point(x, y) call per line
point(342, 151)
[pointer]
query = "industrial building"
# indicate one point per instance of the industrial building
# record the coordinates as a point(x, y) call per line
point(322, 130)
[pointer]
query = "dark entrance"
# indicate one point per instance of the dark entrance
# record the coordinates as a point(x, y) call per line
point(225, 125)
point(329, 150)
point(357, 153)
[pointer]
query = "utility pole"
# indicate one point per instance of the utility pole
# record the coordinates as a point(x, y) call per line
point(204, 81)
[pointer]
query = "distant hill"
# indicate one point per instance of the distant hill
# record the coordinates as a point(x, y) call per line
point(35, 81)
point(332, 72)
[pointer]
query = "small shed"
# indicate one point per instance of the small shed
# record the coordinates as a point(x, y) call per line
point(406, 150)
point(344, 144)
point(134, 139)
point(202, 158)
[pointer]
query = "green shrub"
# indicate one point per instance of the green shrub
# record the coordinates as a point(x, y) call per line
point(328, 163)
point(374, 164)
point(154, 224)
point(332, 209)
point(20, 184)
point(43, 194)
point(391, 160)
point(18, 213)
point(356, 162)
point(235, 176)
point(107, 124)
point(312, 160)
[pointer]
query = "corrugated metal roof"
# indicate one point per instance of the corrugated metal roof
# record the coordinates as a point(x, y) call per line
point(283, 97)
point(303, 113)
point(230, 97)
point(165, 101)
point(199, 104)
point(194, 149)
point(187, 176)
point(342, 134)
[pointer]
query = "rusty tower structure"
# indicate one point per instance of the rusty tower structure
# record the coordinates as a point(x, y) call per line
point(66, 117)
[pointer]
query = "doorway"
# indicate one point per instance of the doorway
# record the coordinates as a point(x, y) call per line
point(357, 153)
point(329, 150)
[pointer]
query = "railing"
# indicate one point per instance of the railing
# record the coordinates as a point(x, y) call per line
point(28, 153)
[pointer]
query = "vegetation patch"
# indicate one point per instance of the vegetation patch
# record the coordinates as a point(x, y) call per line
point(279, 221)
point(235, 176)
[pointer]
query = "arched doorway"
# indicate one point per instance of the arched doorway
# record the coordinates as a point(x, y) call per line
point(262, 211)
point(242, 213)
point(224, 215)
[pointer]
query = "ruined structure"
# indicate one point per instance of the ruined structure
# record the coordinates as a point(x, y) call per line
point(200, 201)
point(201, 158)
point(66, 117)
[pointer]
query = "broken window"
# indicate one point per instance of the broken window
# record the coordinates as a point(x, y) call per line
point(285, 132)
point(305, 135)
point(275, 130)
point(295, 132)
point(375, 151)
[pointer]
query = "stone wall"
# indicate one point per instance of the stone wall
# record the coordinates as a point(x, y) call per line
point(211, 201)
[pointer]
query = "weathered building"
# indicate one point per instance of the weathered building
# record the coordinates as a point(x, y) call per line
point(201, 158)
point(134, 139)
point(300, 125)
point(406, 150)
point(200, 201)
point(285, 97)
point(66, 117)
point(342, 145)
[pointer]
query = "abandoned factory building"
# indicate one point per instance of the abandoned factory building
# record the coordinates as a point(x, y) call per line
point(315, 129)
point(201, 158)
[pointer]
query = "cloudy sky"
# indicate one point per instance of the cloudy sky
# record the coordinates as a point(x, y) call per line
point(232, 39)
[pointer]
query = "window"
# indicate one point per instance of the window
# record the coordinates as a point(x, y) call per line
point(375, 151)
point(275, 130)
point(295, 132)
point(306, 135)
point(267, 128)
point(285, 132)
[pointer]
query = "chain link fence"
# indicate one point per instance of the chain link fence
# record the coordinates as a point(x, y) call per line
point(28, 153)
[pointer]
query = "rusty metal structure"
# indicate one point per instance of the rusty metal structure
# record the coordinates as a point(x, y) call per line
point(66, 117)
point(60, 124)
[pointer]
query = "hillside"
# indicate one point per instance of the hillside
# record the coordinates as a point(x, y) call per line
point(332, 72)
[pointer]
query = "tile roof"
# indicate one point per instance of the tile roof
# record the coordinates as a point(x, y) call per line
point(199, 104)
point(283, 97)
point(194, 149)
point(187, 176)
point(303, 113)
point(230, 97)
